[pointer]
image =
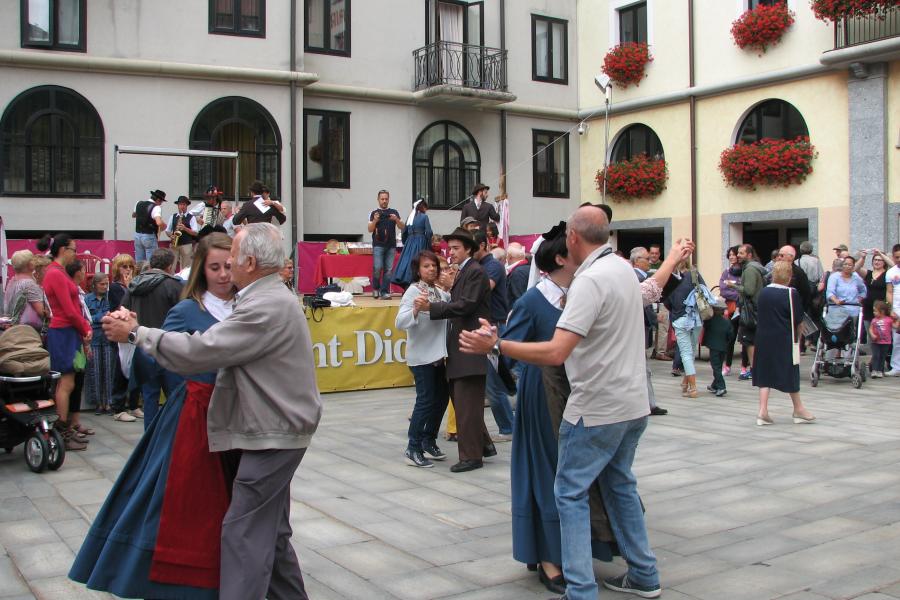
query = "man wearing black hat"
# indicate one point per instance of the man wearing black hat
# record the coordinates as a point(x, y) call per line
point(479, 208)
point(470, 299)
point(261, 208)
point(209, 212)
point(182, 230)
point(148, 223)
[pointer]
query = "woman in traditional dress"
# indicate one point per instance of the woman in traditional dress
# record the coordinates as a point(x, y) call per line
point(157, 535)
point(416, 237)
point(779, 313)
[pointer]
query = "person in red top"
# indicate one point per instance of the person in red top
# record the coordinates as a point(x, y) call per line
point(68, 329)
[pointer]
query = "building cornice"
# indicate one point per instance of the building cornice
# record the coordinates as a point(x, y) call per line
point(881, 50)
point(151, 68)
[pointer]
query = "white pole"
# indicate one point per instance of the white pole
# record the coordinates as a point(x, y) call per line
point(116, 194)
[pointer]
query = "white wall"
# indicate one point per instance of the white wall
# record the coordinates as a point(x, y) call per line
point(135, 111)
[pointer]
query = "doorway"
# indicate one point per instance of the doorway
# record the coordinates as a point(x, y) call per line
point(626, 239)
point(769, 236)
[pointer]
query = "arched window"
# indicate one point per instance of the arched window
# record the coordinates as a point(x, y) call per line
point(230, 124)
point(634, 140)
point(51, 144)
point(446, 164)
point(775, 119)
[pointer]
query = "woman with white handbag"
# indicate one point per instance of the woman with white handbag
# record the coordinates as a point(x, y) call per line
point(777, 358)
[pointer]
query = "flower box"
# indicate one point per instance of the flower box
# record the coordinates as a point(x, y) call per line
point(638, 177)
point(835, 10)
point(767, 162)
point(762, 26)
point(625, 63)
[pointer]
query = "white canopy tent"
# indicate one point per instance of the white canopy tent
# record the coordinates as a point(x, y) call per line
point(166, 152)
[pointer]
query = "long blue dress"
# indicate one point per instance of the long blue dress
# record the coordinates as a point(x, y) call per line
point(417, 237)
point(535, 519)
point(118, 550)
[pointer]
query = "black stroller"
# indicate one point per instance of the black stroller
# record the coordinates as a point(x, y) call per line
point(841, 332)
point(27, 414)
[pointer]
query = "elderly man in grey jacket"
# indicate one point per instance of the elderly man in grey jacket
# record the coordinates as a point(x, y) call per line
point(265, 404)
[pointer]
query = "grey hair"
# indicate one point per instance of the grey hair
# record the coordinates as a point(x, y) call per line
point(590, 226)
point(635, 252)
point(262, 241)
point(515, 250)
point(224, 204)
point(806, 248)
point(21, 259)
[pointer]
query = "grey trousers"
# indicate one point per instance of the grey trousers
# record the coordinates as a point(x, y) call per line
point(650, 393)
point(257, 558)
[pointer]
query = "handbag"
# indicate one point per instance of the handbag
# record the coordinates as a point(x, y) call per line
point(795, 344)
point(808, 327)
point(748, 315)
point(704, 309)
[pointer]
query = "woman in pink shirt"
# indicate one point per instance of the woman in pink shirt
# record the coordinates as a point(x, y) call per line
point(69, 330)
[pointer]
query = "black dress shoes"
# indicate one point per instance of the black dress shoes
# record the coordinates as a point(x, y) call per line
point(466, 465)
point(557, 584)
point(657, 411)
point(489, 451)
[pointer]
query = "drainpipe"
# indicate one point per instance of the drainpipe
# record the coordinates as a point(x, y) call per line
point(295, 205)
point(503, 112)
point(693, 127)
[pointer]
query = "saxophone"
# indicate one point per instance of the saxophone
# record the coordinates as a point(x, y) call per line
point(176, 237)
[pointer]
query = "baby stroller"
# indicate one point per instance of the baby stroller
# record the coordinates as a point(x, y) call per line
point(841, 332)
point(27, 414)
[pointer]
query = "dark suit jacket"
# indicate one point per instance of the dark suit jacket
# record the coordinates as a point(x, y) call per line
point(470, 299)
point(251, 214)
point(517, 282)
point(482, 215)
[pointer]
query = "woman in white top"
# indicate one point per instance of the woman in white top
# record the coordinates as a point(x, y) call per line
point(426, 349)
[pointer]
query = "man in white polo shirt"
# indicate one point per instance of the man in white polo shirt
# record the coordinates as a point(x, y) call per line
point(600, 338)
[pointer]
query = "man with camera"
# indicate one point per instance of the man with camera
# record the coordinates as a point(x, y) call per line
point(383, 223)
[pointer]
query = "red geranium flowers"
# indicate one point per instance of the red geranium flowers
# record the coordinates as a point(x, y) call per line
point(625, 63)
point(835, 10)
point(638, 177)
point(767, 162)
point(762, 27)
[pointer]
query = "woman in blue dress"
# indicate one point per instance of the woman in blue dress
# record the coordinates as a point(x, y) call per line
point(535, 520)
point(416, 237)
point(119, 552)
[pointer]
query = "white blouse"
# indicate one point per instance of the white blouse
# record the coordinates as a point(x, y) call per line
point(220, 309)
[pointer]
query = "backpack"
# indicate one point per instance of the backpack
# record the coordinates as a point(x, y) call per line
point(704, 309)
point(21, 352)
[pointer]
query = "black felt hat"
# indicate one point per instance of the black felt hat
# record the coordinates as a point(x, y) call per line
point(161, 195)
point(463, 236)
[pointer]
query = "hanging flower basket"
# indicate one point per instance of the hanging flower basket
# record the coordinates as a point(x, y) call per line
point(638, 177)
point(835, 10)
point(767, 162)
point(762, 26)
point(625, 63)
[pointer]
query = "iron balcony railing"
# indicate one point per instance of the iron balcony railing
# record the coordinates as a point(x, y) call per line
point(861, 30)
point(451, 63)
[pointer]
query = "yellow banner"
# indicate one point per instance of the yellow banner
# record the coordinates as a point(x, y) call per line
point(358, 348)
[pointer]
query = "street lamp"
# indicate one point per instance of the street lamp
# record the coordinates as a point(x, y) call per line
point(603, 82)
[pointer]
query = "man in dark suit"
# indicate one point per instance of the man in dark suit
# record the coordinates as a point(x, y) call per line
point(470, 300)
point(479, 208)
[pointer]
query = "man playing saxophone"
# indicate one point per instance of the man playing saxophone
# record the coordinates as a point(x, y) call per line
point(182, 230)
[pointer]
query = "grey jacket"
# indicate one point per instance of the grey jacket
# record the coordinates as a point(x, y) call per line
point(266, 396)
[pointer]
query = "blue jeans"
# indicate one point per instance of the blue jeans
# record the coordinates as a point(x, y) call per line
point(687, 341)
point(148, 376)
point(382, 264)
point(144, 245)
point(496, 393)
point(432, 395)
point(607, 452)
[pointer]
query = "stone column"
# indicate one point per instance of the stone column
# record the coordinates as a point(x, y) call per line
point(867, 100)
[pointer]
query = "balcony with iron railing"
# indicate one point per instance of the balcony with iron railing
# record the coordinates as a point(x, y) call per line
point(855, 31)
point(451, 72)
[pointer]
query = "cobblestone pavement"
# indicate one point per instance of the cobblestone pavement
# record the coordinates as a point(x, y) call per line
point(736, 512)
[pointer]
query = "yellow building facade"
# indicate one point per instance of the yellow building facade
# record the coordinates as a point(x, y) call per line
point(701, 86)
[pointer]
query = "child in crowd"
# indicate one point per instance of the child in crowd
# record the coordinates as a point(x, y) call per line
point(717, 332)
point(880, 336)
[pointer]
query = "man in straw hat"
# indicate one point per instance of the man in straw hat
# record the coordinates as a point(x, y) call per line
point(470, 299)
point(480, 208)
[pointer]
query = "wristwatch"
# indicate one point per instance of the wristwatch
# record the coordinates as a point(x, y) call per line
point(496, 349)
point(132, 335)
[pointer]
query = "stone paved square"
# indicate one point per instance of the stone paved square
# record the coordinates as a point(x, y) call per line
point(735, 512)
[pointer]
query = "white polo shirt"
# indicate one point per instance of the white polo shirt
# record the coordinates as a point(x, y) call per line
point(606, 369)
